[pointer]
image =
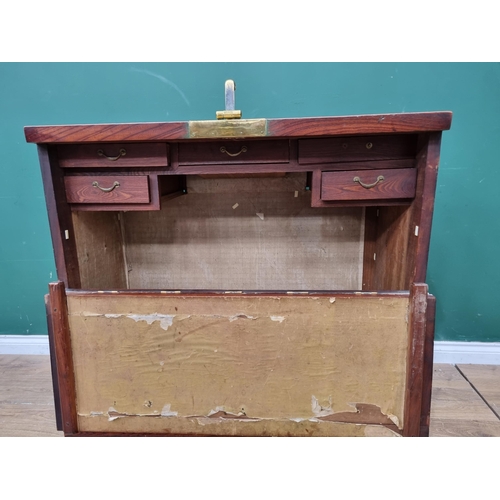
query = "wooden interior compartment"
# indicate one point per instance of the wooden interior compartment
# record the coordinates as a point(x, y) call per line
point(245, 234)
point(150, 154)
point(233, 152)
point(388, 261)
point(222, 364)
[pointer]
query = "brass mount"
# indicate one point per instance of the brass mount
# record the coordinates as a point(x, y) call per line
point(229, 113)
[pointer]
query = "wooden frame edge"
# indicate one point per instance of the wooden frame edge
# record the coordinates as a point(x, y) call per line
point(417, 325)
point(58, 314)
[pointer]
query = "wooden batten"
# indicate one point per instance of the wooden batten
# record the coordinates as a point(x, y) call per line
point(61, 225)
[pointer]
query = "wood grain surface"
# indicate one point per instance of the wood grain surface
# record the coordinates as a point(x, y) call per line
point(135, 155)
point(288, 127)
point(357, 148)
point(125, 189)
point(387, 184)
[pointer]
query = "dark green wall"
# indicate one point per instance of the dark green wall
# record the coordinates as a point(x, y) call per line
point(463, 269)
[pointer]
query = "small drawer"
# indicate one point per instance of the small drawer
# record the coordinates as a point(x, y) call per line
point(154, 154)
point(358, 148)
point(362, 185)
point(116, 189)
point(233, 152)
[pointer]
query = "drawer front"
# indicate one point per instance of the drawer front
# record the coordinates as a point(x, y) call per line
point(364, 148)
point(113, 155)
point(107, 189)
point(368, 184)
point(233, 152)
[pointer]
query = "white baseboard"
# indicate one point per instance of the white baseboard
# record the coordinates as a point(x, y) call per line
point(467, 353)
point(24, 344)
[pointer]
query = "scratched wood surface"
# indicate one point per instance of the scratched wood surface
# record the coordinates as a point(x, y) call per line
point(174, 362)
point(245, 234)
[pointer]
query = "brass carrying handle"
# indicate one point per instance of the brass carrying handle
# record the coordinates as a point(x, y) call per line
point(106, 190)
point(380, 178)
point(121, 153)
point(242, 150)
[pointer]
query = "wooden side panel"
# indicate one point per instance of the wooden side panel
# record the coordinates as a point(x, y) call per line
point(100, 250)
point(423, 206)
point(245, 234)
point(59, 212)
point(391, 253)
point(63, 356)
point(253, 365)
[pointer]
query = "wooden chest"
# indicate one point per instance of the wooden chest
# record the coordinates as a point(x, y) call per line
point(242, 277)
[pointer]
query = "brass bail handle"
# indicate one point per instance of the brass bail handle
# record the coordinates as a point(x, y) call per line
point(244, 149)
point(380, 178)
point(121, 153)
point(106, 190)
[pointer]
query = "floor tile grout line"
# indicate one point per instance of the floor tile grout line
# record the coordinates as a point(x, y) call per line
point(477, 392)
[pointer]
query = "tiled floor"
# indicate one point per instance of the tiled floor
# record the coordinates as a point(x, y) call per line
point(465, 399)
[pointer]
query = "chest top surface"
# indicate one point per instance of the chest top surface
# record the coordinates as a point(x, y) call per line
point(399, 123)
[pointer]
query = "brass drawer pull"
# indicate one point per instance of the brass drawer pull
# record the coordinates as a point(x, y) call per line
point(106, 190)
point(122, 152)
point(242, 150)
point(380, 178)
